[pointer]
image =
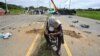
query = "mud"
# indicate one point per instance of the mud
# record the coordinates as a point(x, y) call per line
point(72, 33)
point(35, 31)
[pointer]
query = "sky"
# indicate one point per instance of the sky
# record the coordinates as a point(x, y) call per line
point(84, 4)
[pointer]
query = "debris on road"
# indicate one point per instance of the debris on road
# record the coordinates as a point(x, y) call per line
point(12, 28)
point(72, 33)
point(5, 36)
point(97, 22)
point(9, 27)
point(70, 17)
point(72, 26)
point(2, 28)
point(29, 24)
point(34, 31)
point(87, 32)
point(84, 26)
point(98, 35)
point(19, 30)
point(75, 21)
point(1, 35)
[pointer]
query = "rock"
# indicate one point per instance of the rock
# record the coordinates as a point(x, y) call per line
point(98, 35)
point(97, 22)
point(75, 21)
point(13, 28)
point(19, 30)
point(84, 26)
point(9, 27)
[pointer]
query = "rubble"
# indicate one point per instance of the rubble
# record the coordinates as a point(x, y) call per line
point(84, 26)
point(75, 21)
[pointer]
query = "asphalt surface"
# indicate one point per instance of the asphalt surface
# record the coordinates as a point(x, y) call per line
point(88, 44)
point(19, 19)
point(17, 45)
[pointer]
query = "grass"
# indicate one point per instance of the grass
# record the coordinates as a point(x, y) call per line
point(89, 14)
point(43, 51)
point(16, 11)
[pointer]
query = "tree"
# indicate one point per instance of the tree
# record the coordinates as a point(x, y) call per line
point(26, 8)
point(10, 6)
point(2, 5)
point(90, 9)
point(43, 8)
point(31, 7)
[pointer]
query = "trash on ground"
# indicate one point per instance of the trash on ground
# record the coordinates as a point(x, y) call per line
point(84, 26)
point(1, 35)
point(72, 33)
point(5, 36)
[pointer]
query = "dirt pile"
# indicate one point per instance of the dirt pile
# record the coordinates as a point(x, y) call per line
point(35, 31)
point(72, 33)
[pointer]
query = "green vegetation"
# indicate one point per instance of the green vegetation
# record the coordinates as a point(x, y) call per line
point(16, 11)
point(89, 14)
point(44, 51)
point(13, 9)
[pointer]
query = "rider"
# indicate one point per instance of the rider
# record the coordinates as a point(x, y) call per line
point(54, 28)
